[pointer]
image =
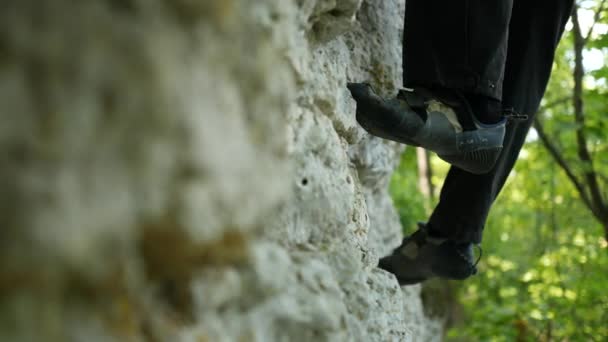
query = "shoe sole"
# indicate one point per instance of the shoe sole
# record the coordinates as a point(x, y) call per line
point(371, 124)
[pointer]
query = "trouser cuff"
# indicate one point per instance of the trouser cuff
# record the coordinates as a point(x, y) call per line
point(457, 231)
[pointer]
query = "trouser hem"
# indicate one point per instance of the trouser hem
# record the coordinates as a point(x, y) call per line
point(460, 232)
point(466, 83)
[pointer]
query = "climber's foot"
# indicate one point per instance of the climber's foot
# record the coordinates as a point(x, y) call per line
point(417, 117)
point(421, 257)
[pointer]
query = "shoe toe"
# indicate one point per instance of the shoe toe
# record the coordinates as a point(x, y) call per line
point(358, 90)
point(407, 271)
point(386, 264)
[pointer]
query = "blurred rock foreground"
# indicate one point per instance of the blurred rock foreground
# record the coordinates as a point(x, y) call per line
point(191, 170)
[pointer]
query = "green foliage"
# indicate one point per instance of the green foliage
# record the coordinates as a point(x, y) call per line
point(544, 274)
point(404, 190)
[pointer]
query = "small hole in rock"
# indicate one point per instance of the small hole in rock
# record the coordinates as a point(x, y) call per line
point(305, 181)
point(335, 12)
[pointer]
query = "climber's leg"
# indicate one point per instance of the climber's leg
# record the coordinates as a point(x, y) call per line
point(535, 29)
point(459, 45)
point(458, 220)
point(454, 56)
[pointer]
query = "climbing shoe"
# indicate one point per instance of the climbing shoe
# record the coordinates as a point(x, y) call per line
point(442, 123)
point(421, 257)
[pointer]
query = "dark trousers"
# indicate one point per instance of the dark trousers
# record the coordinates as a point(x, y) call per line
point(500, 49)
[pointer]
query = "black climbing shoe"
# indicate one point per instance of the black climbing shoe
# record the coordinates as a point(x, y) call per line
point(421, 257)
point(418, 117)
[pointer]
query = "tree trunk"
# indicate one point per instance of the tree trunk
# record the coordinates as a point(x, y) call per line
point(425, 177)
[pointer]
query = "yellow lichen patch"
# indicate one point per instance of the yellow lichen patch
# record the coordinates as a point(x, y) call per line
point(104, 297)
point(247, 336)
point(116, 305)
point(170, 253)
point(203, 338)
point(218, 12)
point(22, 280)
point(171, 258)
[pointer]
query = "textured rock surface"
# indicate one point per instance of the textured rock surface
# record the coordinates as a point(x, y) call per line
point(192, 170)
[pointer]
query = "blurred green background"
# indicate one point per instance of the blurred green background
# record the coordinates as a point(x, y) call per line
point(544, 273)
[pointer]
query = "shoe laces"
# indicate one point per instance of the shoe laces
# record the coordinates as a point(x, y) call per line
point(474, 266)
point(478, 257)
point(512, 115)
point(426, 238)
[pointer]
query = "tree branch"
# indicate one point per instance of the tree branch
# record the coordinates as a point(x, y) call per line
point(596, 18)
point(556, 103)
point(597, 200)
point(604, 178)
point(561, 161)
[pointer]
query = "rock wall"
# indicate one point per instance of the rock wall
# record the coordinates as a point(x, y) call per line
point(192, 171)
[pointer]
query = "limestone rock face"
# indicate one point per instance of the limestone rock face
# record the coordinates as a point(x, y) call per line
point(191, 170)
